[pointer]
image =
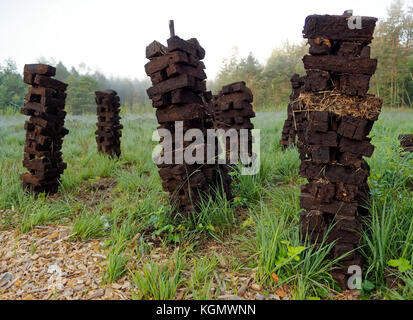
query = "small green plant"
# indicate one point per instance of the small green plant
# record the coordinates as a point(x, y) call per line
point(203, 292)
point(288, 254)
point(159, 281)
point(216, 215)
point(117, 261)
point(402, 264)
point(248, 223)
point(367, 286)
point(88, 226)
point(164, 226)
point(202, 278)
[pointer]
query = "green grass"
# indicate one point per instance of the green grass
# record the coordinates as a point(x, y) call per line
point(159, 281)
point(202, 278)
point(121, 202)
point(117, 261)
point(89, 225)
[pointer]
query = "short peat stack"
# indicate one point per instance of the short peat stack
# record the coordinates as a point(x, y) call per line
point(44, 103)
point(406, 142)
point(289, 131)
point(233, 110)
point(109, 128)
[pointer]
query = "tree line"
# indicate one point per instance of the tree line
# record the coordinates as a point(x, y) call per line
point(392, 46)
point(393, 80)
point(82, 84)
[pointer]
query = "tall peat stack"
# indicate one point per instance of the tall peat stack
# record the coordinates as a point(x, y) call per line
point(109, 128)
point(334, 115)
point(44, 104)
point(178, 93)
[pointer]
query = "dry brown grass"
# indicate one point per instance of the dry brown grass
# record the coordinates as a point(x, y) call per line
point(368, 107)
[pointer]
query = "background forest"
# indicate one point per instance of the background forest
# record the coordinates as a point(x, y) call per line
point(393, 80)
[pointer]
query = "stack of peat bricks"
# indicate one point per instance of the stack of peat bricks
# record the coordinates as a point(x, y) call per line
point(44, 104)
point(333, 115)
point(289, 131)
point(179, 94)
point(233, 110)
point(406, 142)
point(109, 128)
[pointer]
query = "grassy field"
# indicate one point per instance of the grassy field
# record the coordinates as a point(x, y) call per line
point(256, 236)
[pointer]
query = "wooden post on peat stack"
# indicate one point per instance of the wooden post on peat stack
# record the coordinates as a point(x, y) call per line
point(171, 28)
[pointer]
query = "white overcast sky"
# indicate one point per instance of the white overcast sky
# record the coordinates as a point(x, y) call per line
point(111, 36)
